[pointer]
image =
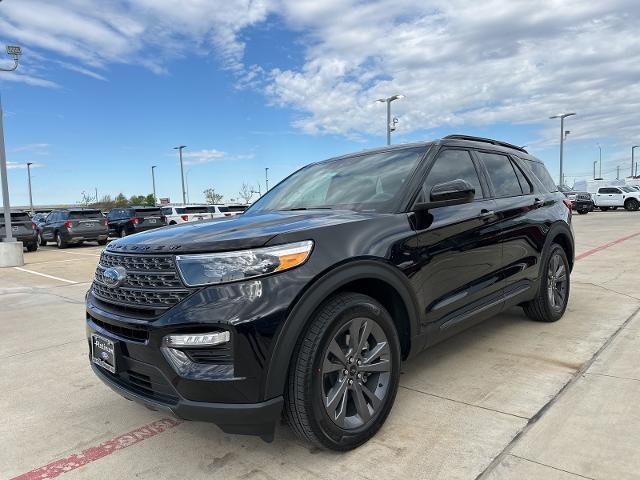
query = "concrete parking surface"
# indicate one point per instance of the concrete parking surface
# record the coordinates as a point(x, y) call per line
point(510, 398)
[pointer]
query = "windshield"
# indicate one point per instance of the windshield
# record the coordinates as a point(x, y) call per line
point(370, 182)
point(627, 189)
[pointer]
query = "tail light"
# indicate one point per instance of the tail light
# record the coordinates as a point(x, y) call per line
point(185, 218)
point(68, 224)
point(33, 226)
point(567, 203)
point(134, 220)
point(104, 222)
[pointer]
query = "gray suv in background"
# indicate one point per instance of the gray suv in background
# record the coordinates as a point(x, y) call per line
point(22, 229)
point(73, 225)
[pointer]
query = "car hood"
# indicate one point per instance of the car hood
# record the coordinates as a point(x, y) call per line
point(231, 233)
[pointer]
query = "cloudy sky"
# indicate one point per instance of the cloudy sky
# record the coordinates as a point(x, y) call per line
point(105, 89)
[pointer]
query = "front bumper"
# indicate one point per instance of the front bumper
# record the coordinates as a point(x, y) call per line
point(244, 419)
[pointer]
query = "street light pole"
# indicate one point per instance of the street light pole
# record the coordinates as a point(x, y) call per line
point(153, 181)
point(562, 116)
point(600, 148)
point(632, 158)
point(594, 169)
point(389, 125)
point(29, 177)
point(266, 179)
point(184, 195)
point(15, 52)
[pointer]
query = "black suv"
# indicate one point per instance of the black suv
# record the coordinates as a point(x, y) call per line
point(73, 225)
point(124, 221)
point(581, 202)
point(310, 300)
point(23, 229)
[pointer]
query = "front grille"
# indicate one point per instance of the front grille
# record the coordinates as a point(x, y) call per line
point(154, 386)
point(152, 282)
point(583, 196)
point(134, 334)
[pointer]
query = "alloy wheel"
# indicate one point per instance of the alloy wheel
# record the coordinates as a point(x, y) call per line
point(557, 282)
point(356, 373)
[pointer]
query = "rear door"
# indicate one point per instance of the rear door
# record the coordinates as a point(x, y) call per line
point(48, 226)
point(521, 213)
point(458, 249)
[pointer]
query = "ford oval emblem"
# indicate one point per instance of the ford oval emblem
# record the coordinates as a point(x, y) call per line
point(114, 276)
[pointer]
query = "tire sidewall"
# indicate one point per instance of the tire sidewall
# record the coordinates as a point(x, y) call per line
point(328, 432)
point(554, 313)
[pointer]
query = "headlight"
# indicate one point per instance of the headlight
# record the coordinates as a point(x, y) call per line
point(212, 268)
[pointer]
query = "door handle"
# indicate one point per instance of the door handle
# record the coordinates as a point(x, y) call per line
point(485, 214)
point(538, 203)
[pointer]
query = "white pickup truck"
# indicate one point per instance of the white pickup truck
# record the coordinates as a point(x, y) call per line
point(193, 213)
point(614, 197)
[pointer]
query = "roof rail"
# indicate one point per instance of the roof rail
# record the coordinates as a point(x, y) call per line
point(484, 140)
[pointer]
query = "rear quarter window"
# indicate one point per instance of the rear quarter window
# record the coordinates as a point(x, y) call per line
point(542, 174)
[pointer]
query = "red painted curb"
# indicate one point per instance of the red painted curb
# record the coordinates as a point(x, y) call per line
point(91, 454)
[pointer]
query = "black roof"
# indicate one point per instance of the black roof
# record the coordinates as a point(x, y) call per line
point(484, 140)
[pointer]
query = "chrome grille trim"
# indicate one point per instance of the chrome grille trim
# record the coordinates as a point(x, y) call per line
point(152, 281)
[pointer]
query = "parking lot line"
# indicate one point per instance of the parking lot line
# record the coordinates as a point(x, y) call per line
point(605, 246)
point(45, 275)
point(83, 254)
point(92, 454)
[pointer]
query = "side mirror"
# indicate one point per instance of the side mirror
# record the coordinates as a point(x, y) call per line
point(445, 194)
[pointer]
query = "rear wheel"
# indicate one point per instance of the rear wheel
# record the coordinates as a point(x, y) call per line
point(123, 232)
point(553, 291)
point(60, 242)
point(345, 372)
point(604, 209)
point(41, 241)
point(102, 242)
point(583, 212)
point(32, 246)
point(631, 205)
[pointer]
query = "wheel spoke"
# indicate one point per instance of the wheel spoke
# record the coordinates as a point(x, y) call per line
point(354, 333)
point(375, 401)
point(551, 295)
point(329, 367)
point(557, 299)
point(381, 349)
point(337, 352)
point(361, 404)
point(560, 270)
point(335, 395)
point(366, 331)
point(381, 366)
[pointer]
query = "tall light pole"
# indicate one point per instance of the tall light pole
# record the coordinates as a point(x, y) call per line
point(184, 195)
point(594, 169)
point(266, 179)
point(15, 52)
point(29, 177)
point(153, 181)
point(632, 158)
point(390, 127)
point(600, 148)
point(562, 116)
point(187, 183)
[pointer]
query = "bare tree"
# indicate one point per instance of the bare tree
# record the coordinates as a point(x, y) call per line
point(211, 196)
point(246, 192)
point(86, 199)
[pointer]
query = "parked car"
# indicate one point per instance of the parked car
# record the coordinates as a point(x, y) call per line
point(219, 211)
point(188, 213)
point(581, 202)
point(23, 229)
point(39, 218)
point(73, 225)
point(236, 208)
point(123, 221)
point(310, 300)
point(614, 197)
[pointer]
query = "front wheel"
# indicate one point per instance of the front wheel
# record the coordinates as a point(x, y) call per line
point(123, 232)
point(102, 242)
point(60, 242)
point(553, 292)
point(604, 209)
point(32, 246)
point(583, 212)
point(41, 241)
point(344, 376)
point(632, 205)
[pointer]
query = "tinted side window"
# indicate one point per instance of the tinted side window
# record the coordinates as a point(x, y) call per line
point(542, 174)
point(453, 165)
point(503, 177)
point(166, 211)
point(525, 185)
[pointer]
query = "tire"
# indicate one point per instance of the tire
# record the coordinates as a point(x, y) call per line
point(541, 307)
point(614, 208)
point(60, 242)
point(123, 232)
point(41, 241)
point(172, 222)
point(319, 365)
point(102, 242)
point(631, 205)
point(604, 209)
point(32, 246)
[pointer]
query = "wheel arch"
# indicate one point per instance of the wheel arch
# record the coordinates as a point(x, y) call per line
point(561, 234)
point(374, 278)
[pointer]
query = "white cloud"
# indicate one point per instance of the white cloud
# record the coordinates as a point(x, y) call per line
point(23, 166)
point(34, 148)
